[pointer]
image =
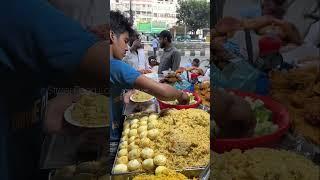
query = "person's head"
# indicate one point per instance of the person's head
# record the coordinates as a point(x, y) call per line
point(153, 61)
point(134, 36)
point(274, 8)
point(120, 31)
point(165, 38)
point(196, 62)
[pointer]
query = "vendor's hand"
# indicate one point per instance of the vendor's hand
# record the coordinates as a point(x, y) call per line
point(145, 71)
point(257, 23)
point(126, 96)
point(54, 122)
point(184, 98)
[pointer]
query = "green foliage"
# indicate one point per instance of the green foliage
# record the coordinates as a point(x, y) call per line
point(194, 13)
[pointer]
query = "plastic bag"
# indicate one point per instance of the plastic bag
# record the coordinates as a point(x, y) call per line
point(238, 75)
point(184, 85)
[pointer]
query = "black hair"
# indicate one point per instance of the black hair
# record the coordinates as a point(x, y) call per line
point(196, 60)
point(134, 36)
point(119, 23)
point(166, 34)
point(280, 10)
point(151, 57)
point(279, 2)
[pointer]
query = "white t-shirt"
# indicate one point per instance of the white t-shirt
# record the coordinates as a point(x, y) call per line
point(207, 74)
point(308, 48)
point(313, 36)
point(154, 69)
point(136, 60)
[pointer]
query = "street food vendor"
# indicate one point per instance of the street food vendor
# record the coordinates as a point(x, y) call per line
point(123, 76)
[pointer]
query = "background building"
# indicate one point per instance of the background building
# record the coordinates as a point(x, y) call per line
point(149, 16)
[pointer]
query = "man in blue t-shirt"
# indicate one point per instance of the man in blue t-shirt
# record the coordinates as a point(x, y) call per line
point(39, 46)
point(123, 76)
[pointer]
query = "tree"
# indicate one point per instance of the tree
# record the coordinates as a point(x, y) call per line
point(195, 14)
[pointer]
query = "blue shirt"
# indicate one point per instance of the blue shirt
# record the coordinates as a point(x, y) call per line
point(122, 76)
point(38, 45)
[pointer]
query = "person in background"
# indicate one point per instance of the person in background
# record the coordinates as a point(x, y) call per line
point(313, 36)
point(171, 57)
point(135, 55)
point(154, 64)
point(207, 74)
point(155, 46)
point(123, 76)
point(195, 67)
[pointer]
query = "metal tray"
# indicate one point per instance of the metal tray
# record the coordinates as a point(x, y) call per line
point(298, 144)
point(191, 172)
point(153, 107)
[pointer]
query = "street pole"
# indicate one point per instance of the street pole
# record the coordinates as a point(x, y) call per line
point(185, 30)
point(130, 11)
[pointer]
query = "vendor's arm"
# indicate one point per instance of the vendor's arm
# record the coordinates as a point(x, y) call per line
point(257, 23)
point(292, 33)
point(126, 77)
point(162, 91)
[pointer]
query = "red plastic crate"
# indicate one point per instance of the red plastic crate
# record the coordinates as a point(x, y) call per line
point(280, 117)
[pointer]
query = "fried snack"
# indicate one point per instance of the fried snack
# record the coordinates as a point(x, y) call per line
point(91, 110)
point(298, 90)
point(171, 78)
point(203, 90)
point(184, 138)
point(262, 163)
point(140, 96)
